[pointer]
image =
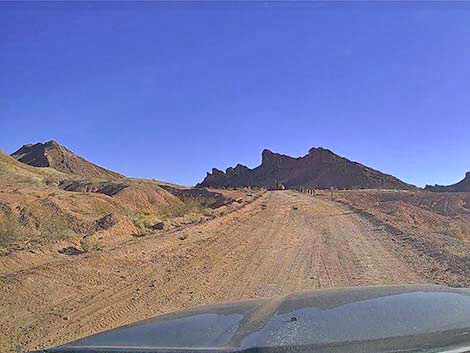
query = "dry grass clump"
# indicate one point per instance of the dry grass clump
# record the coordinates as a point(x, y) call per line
point(146, 219)
point(102, 207)
point(11, 231)
point(455, 229)
point(208, 212)
point(150, 220)
point(55, 228)
point(180, 208)
point(89, 244)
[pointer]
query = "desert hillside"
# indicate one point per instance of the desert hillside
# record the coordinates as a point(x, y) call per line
point(320, 168)
point(53, 155)
point(51, 197)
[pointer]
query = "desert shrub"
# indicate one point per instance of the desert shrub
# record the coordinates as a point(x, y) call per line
point(89, 244)
point(102, 208)
point(455, 229)
point(145, 220)
point(450, 229)
point(208, 212)
point(180, 208)
point(11, 231)
point(465, 228)
point(147, 212)
point(55, 228)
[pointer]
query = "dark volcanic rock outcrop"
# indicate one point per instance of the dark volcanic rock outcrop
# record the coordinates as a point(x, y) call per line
point(51, 154)
point(204, 197)
point(461, 186)
point(320, 168)
point(109, 188)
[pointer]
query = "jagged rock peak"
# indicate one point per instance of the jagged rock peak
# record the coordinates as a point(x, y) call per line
point(320, 168)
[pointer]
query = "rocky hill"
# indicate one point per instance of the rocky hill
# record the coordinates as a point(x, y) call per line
point(320, 168)
point(58, 201)
point(461, 186)
point(53, 155)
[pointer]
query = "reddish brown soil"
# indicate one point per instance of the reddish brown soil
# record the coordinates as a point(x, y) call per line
point(431, 230)
point(282, 242)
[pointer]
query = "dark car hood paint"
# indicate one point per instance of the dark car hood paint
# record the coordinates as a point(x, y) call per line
point(371, 319)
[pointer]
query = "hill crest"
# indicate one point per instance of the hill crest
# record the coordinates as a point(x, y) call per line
point(52, 154)
point(320, 168)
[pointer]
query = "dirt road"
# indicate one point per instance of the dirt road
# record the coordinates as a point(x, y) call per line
point(282, 242)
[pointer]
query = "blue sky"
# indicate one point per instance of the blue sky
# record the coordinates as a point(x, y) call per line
point(170, 90)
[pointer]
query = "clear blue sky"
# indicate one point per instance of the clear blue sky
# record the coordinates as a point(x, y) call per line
point(168, 91)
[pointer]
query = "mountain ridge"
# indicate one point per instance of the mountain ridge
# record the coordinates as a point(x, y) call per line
point(319, 168)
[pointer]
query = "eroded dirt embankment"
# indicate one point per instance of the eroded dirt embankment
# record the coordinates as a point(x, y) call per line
point(431, 230)
point(282, 242)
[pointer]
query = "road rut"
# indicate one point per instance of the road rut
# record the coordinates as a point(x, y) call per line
point(282, 242)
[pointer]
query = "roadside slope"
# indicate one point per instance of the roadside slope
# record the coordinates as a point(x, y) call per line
point(282, 242)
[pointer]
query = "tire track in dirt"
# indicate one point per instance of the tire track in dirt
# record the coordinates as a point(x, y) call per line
point(294, 242)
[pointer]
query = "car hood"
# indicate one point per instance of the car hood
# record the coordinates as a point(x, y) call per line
point(371, 319)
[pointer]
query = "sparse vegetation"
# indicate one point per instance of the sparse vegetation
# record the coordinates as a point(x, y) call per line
point(11, 231)
point(17, 233)
point(89, 244)
point(450, 229)
point(145, 220)
point(207, 212)
point(180, 208)
point(433, 226)
point(47, 205)
point(101, 207)
point(55, 228)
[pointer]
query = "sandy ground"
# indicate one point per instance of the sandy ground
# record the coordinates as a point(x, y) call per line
point(282, 242)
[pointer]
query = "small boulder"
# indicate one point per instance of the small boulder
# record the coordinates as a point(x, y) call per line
point(158, 226)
